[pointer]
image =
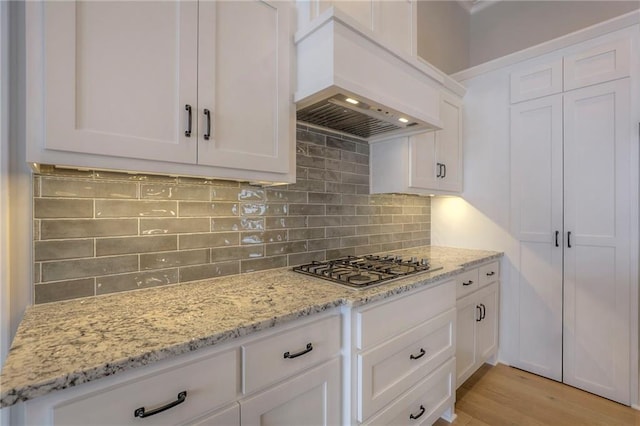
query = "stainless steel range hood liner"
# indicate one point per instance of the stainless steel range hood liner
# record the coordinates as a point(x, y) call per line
point(338, 59)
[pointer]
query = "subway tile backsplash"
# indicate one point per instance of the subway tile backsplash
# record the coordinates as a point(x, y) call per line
point(99, 232)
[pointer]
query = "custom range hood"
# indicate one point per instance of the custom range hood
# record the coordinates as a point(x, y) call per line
point(350, 81)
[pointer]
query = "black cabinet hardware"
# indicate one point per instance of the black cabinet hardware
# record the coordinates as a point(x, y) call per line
point(444, 171)
point(483, 311)
point(490, 274)
point(308, 349)
point(439, 166)
point(420, 355)
point(187, 132)
point(557, 234)
point(417, 416)
point(467, 283)
point(569, 239)
point(207, 114)
point(142, 413)
point(479, 312)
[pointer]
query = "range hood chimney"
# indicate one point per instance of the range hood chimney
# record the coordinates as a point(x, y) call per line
point(349, 81)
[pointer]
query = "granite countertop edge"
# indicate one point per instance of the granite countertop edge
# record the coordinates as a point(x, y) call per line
point(11, 394)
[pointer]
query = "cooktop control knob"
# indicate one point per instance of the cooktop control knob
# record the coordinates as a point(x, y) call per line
point(424, 262)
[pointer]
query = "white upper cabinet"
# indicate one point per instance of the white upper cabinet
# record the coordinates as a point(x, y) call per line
point(392, 22)
point(423, 163)
point(118, 76)
point(168, 87)
point(243, 72)
point(533, 81)
point(573, 68)
point(601, 63)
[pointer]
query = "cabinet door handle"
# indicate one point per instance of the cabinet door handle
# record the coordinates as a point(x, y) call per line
point(417, 416)
point(420, 355)
point(490, 274)
point(467, 283)
point(142, 413)
point(557, 235)
point(207, 114)
point(308, 349)
point(483, 310)
point(187, 132)
point(479, 312)
point(569, 239)
point(439, 166)
point(444, 173)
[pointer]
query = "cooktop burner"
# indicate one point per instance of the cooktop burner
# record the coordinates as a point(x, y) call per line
point(366, 271)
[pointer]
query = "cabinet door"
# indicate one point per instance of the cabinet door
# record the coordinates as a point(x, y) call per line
point(468, 315)
point(597, 286)
point(244, 82)
point(487, 333)
point(117, 77)
point(449, 144)
point(536, 217)
point(395, 23)
point(226, 417)
point(310, 398)
point(422, 161)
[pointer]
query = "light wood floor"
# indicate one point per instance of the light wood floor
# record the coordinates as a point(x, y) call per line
point(503, 395)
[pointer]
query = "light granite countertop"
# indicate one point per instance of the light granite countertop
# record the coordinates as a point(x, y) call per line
point(63, 344)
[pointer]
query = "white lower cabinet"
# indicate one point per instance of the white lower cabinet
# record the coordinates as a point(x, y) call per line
point(309, 398)
point(228, 416)
point(477, 324)
point(403, 353)
point(282, 385)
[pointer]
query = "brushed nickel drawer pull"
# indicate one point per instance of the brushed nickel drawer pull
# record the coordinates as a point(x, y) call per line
point(308, 349)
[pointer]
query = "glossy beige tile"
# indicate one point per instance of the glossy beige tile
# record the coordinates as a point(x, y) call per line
point(174, 192)
point(193, 241)
point(222, 254)
point(174, 226)
point(127, 208)
point(79, 228)
point(204, 209)
point(90, 267)
point(64, 290)
point(135, 281)
point(61, 208)
point(63, 249)
point(127, 245)
point(192, 273)
point(57, 187)
point(171, 259)
point(264, 263)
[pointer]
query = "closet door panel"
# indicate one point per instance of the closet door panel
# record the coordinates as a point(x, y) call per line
point(597, 286)
point(536, 176)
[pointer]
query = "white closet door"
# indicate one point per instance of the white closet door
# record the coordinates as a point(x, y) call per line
point(244, 83)
point(597, 136)
point(118, 76)
point(536, 197)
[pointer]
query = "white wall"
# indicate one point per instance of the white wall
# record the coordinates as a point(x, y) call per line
point(481, 218)
point(510, 26)
point(443, 34)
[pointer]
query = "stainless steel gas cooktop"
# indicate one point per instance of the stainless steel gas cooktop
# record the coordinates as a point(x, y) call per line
point(366, 271)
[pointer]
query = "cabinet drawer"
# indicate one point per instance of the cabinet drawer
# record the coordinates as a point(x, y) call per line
point(424, 403)
point(274, 358)
point(390, 369)
point(489, 273)
point(209, 383)
point(374, 324)
point(466, 283)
